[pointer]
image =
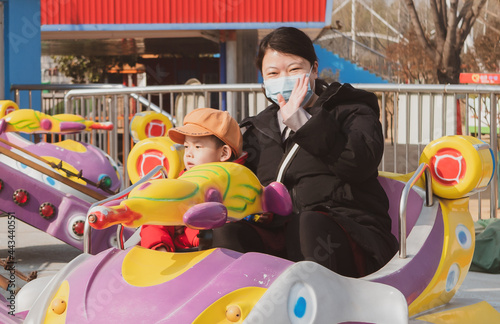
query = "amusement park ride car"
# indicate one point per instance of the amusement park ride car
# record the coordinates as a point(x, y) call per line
point(130, 284)
point(51, 186)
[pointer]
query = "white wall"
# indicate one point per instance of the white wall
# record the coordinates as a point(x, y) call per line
point(431, 127)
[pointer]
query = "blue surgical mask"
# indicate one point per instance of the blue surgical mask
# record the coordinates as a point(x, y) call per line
point(284, 85)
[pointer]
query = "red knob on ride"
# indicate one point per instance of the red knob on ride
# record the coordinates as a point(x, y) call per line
point(78, 227)
point(47, 210)
point(20, 197)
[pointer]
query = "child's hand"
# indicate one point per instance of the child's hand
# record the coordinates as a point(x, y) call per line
point(161, 248)
point(263, 218)
point(179, 230)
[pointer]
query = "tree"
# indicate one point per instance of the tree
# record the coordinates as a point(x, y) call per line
point(373, 30)
point(484, 56)
point(412, 63)
point(92, 69)
point(451, 26)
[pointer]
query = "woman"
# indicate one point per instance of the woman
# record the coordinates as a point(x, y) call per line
point(324, 142)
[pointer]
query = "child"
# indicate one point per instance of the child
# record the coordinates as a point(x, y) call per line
point(208, 135)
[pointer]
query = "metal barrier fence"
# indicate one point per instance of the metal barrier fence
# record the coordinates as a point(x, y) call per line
point(411, 115)
point(120, 105)
point(52, 95)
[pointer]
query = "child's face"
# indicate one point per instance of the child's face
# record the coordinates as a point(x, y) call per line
point(203, 149)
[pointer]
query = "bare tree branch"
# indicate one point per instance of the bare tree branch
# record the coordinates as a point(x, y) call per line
point(419, 31)
point(470, 17)
point(442, 14)
point(450, 41)
point(440, 27)
point(465, 8)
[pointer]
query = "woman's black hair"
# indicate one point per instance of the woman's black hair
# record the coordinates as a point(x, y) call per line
point(287, 40)
point(290, 40)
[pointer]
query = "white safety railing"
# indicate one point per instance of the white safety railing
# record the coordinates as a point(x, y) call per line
point(411, 115)
point(52, 95)
point(119, 106)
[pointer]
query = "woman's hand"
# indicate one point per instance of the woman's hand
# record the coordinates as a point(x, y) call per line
point(299, 92)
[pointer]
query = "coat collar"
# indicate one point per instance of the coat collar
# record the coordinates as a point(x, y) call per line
point(342, 94)
point(266, 122)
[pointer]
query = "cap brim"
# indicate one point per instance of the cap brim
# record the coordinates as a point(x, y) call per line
point(179, 133)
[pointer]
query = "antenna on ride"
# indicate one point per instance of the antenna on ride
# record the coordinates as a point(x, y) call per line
point(104, 183)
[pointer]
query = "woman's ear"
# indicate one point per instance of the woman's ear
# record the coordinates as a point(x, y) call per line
point(225, 153)
point(315, 69)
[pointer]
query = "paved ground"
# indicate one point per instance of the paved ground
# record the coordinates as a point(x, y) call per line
point(35, 251)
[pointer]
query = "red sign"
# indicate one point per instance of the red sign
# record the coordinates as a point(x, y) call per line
point(483, 78)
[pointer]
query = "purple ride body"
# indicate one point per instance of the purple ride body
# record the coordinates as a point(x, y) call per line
point(70, 206)
point(413, 276)
point(219, 273)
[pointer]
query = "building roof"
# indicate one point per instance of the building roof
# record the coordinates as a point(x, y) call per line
point(119, 15)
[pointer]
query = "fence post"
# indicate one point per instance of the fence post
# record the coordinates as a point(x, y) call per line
point(494, 147)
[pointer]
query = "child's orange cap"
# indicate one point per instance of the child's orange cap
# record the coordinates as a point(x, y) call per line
point(209, 121)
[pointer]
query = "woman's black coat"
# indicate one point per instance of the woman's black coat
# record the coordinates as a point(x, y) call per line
point(335, 168)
